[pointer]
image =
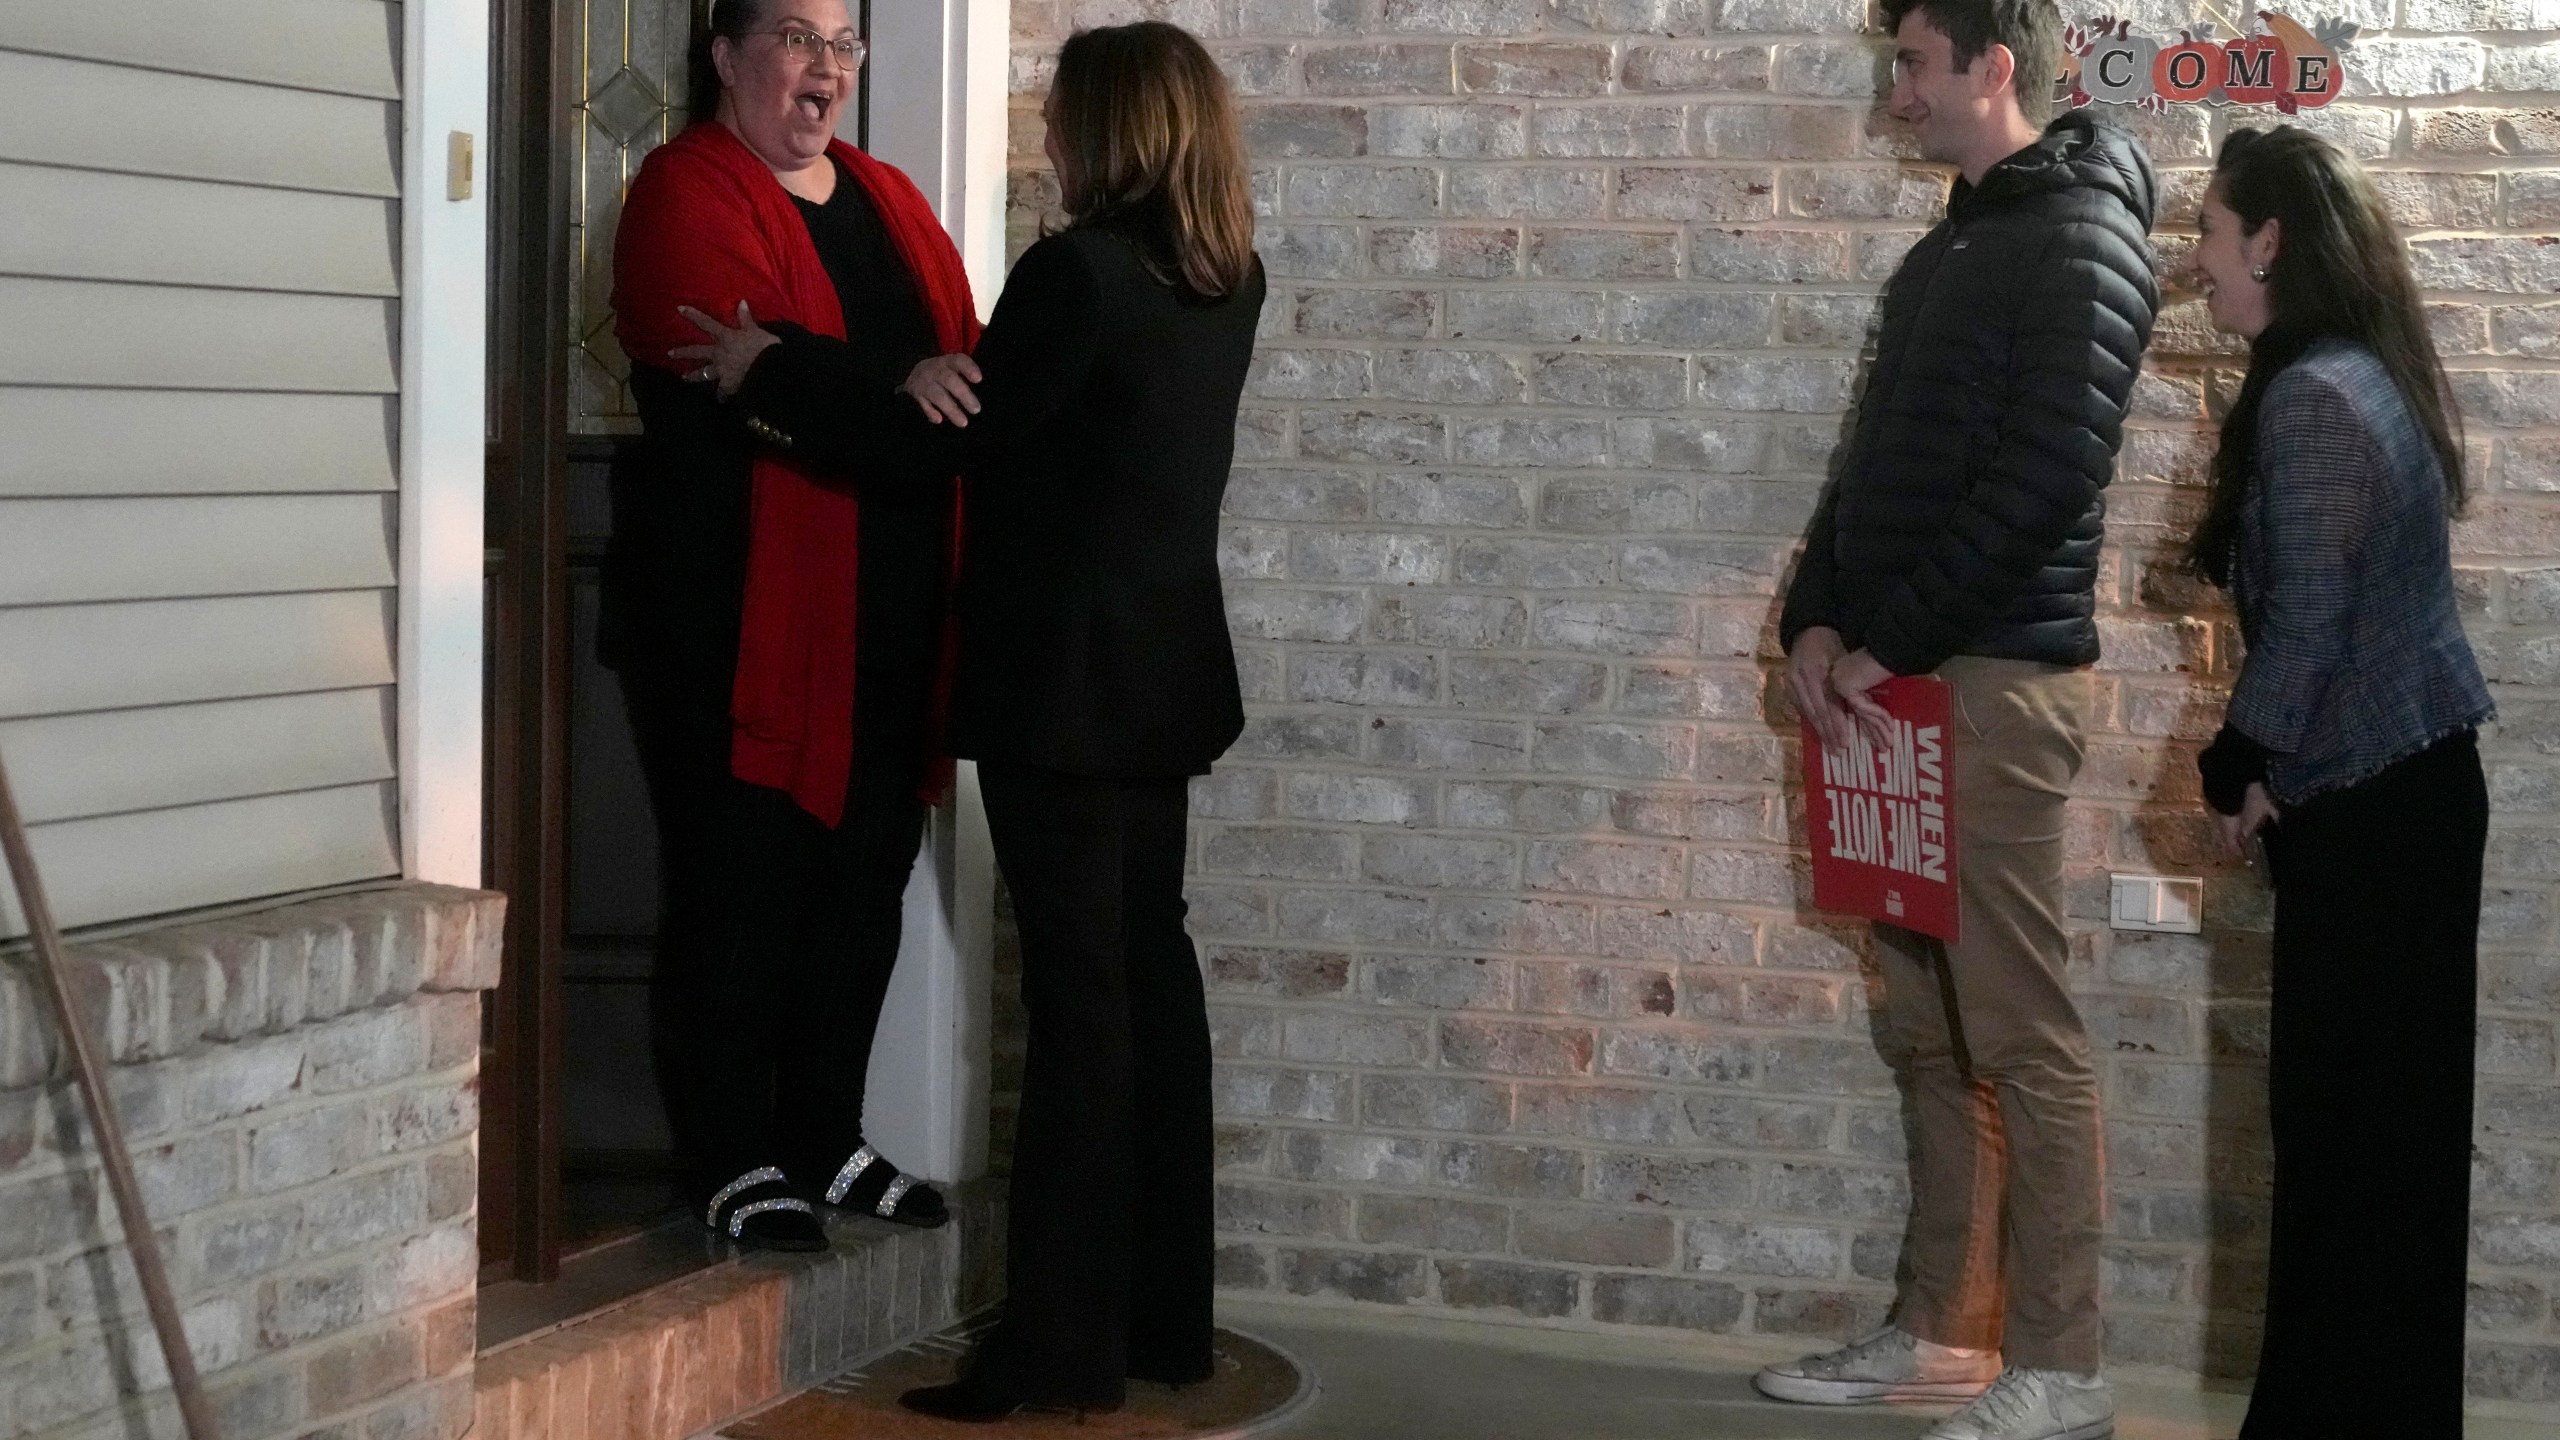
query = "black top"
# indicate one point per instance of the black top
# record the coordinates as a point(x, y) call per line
point(1093, 630)
point(1968, 512)
point(676, 573)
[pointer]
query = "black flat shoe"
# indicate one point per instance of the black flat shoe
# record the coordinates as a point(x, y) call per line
point(761, 1211)
point(978, 1400)
point(870, 1185)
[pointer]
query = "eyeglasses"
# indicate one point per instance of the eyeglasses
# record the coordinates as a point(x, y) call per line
point(807, 45)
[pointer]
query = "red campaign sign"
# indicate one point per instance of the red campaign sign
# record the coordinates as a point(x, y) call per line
point(1878, 811)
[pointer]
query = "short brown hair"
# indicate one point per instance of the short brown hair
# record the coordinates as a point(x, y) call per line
point(2032, 29)
point(1150, 134)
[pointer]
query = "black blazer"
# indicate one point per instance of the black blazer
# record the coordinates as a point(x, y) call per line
point(1093, 629)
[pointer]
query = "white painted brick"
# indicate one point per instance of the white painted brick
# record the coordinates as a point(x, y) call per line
point(1566, 254)
point(1532, 440)
point(1526, 193)
point(1630, 382)
point(1367, 192)
point(1451, 377)
point(1720, 196)
point(1454, 253)
point(2400, 68)
point(1635, 17)
point(1574, 131)
point(1380, 70)
point(1448, 132)
point(1553, 316)
point(1478, 502)
point(1691, 320)
point(1712, 68)
point(1460, 17)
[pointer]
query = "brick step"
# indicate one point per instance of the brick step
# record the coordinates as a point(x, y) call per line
point(697, 1352)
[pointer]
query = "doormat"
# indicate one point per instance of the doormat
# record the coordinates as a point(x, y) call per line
point(1255, 1385)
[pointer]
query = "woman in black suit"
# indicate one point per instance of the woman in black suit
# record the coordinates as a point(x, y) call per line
point(1095, 427)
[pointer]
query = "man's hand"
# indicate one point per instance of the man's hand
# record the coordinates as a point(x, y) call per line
point(1817, 649)
point(2257, 811)
point(940, 384)
point(1852, 679)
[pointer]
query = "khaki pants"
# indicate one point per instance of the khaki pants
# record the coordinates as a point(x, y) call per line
point(2007, 1170)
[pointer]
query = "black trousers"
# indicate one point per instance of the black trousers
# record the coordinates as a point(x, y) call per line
point(776, 939)
point(1110, 1231)
point(2369, 1094)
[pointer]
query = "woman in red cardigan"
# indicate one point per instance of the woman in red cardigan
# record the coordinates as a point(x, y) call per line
point(780, 643)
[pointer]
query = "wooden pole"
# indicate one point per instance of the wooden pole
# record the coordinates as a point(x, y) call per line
point(193, 1406)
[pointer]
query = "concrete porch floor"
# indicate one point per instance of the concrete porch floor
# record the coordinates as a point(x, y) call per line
point(1388, 1376)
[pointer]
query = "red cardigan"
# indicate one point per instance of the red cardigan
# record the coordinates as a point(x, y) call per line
point(706, 224)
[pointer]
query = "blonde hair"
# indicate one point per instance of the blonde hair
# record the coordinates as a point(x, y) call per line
point(1143, 117)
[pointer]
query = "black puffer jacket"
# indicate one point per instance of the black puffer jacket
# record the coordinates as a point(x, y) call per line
point(1969, 507)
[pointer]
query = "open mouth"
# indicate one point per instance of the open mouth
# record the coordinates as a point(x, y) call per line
point(813, 104)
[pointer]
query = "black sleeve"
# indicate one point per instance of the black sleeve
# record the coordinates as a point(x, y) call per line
point(795, 396)
point(1810, 599)
point(2229, 766)
point(1034, 354)
point(2072, 366)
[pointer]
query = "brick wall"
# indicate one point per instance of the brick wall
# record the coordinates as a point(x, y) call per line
point(301, 1090)
point(1517, 1002)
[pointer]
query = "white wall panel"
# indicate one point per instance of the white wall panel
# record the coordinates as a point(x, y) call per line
point(81, 332)
point(151, 862)
point(74, 766)
point(59, 659)
point(192, 442)
point(115, 117)
point(55, 552)
point(348, 46)
point(201, 439)
point(86, 225)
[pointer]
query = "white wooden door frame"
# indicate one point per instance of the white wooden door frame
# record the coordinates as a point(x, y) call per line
point(938, 92)
point(444, 232)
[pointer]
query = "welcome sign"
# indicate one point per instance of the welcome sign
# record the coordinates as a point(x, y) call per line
point(2285, 65)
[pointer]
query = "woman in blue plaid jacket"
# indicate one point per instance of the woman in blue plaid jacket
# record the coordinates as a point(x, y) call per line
point(2349, 747)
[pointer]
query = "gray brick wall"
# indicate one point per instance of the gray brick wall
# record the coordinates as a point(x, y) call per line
point(301, 1090)
point(1517, 1004)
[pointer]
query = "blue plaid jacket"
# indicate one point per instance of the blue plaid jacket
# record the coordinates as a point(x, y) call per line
point(2343, 577)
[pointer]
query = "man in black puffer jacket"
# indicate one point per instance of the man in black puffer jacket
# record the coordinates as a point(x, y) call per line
point(1961, 538)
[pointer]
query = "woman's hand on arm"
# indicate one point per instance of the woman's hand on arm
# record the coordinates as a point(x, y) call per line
point(940, 387)
point(732, 351)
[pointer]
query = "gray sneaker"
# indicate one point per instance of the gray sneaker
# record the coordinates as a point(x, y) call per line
point(2034, 1405)
point(1891, 1364)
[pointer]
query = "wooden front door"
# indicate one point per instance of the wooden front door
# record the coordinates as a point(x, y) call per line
point(580, 91)
point(527, 630)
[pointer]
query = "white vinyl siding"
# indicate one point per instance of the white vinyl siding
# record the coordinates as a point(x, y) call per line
point(199, 391)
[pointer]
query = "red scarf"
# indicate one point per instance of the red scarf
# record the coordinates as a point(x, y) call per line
point(706, 224)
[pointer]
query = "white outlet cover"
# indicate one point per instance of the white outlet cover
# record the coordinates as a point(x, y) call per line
point(2158, 904)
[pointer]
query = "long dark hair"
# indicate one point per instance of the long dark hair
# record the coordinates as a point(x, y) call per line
point(1151, 138)
point(2340, 272)
point(730, 20)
